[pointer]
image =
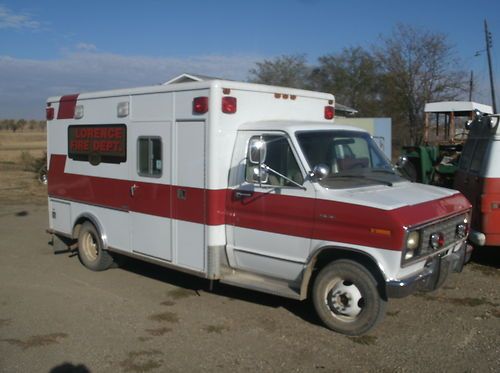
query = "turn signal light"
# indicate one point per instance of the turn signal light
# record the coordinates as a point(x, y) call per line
point(329, 112)
point(229, 105)
point(200, 105)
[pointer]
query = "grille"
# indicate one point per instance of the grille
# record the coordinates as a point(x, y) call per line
point(447, 228)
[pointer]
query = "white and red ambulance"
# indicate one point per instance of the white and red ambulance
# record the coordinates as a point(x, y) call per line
point(251, 185)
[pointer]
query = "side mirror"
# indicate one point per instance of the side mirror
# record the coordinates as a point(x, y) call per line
point(260, 175)
point(402, 161)
point(319, 172)
point(257, 150)
point(406, 168)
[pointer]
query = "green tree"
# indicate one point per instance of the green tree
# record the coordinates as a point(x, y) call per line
point(353, 77)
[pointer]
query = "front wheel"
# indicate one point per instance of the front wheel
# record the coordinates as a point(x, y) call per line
point(90, 249)
point(346, 298)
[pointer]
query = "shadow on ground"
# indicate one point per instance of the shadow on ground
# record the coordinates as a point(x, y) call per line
point(487, 256)
point(303, 310)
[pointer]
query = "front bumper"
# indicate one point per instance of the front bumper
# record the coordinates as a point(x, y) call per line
point(433, 275)
point(477, 238)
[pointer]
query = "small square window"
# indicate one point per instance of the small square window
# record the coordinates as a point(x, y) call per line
point(149, 157)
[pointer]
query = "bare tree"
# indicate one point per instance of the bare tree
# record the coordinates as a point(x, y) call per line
point(418, 67)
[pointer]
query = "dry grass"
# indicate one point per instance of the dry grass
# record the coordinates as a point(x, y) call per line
point(16, 184)
point(12, 144)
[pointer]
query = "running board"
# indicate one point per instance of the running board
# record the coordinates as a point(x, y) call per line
point(261, 283)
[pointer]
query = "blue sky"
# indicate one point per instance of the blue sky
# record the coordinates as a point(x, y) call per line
point(57, 47)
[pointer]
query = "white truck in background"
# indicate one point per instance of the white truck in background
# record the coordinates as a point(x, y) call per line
point(251, 185)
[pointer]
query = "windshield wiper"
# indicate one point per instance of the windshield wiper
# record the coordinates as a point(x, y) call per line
point(384, 171)
point(361, 176)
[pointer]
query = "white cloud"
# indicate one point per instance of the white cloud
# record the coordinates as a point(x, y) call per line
point(88, 47)
point(8, 19)
point(26, 84)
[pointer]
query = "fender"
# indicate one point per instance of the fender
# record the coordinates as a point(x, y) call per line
point(93, 219)
point(337, 252)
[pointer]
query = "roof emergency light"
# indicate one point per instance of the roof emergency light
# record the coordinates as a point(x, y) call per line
point(229, 105)
point(200, 105)
point(78, 112)
point(49, 113)
point(122, 109)
point(329, 112)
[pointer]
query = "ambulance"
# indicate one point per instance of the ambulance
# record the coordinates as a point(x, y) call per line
point(250, 185)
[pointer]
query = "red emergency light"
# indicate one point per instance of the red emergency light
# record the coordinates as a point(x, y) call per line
point(329, 112)
point(229, 105)
point(49, 113)
point(200, 105)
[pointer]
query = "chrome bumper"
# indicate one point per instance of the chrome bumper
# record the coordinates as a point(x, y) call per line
point(433, 275)
point(477, 238)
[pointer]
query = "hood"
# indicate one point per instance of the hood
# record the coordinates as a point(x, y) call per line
point(385, 197)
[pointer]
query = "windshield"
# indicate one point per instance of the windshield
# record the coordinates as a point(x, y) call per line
point(346, 154)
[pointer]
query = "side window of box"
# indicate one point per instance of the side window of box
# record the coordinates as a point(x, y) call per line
point(149, 156)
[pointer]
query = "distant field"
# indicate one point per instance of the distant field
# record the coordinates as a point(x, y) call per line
point(12, 144)
point(17, 181)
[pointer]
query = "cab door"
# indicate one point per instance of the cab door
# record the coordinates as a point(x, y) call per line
point(270, 216)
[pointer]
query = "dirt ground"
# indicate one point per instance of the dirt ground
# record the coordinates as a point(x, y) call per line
point(57, 316)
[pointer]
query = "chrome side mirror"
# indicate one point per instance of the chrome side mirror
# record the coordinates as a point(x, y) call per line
point(319, 172)
point(260, 175)
point(406, 168)
point(402, 161)
point(257, 150)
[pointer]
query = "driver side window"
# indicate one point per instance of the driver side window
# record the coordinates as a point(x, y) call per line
point(281, 159)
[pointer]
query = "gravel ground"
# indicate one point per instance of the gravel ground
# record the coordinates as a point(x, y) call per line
point(55, 315)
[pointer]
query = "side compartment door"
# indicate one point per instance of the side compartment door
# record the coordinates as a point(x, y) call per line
point(188, 194)
point(150, 189)
point(270, 220)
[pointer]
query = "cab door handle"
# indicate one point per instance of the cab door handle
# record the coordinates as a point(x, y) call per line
point(240, 194)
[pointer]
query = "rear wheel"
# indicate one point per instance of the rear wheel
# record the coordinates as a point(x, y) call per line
point(346, 298)
point(90, 249)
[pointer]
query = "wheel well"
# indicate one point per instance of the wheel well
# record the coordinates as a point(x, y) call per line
point(328, 255)
point(78, 225)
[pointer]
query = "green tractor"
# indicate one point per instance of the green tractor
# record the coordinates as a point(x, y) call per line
point(436, 161)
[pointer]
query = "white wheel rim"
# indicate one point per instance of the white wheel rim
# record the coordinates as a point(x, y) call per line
point(89, 246)
point(344, 299)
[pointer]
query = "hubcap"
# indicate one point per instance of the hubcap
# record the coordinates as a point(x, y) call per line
point(344, 299)
point(90, 246)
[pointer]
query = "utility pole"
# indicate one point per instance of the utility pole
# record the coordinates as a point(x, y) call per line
point(489, 45)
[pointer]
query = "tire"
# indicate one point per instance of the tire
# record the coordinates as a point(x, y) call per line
point(43, 176)
point(357, 307)
point(90, 249)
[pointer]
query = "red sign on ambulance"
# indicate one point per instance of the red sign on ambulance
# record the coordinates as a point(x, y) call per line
point(98, 143)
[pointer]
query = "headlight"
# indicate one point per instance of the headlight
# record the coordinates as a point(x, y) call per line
point(412, 244)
